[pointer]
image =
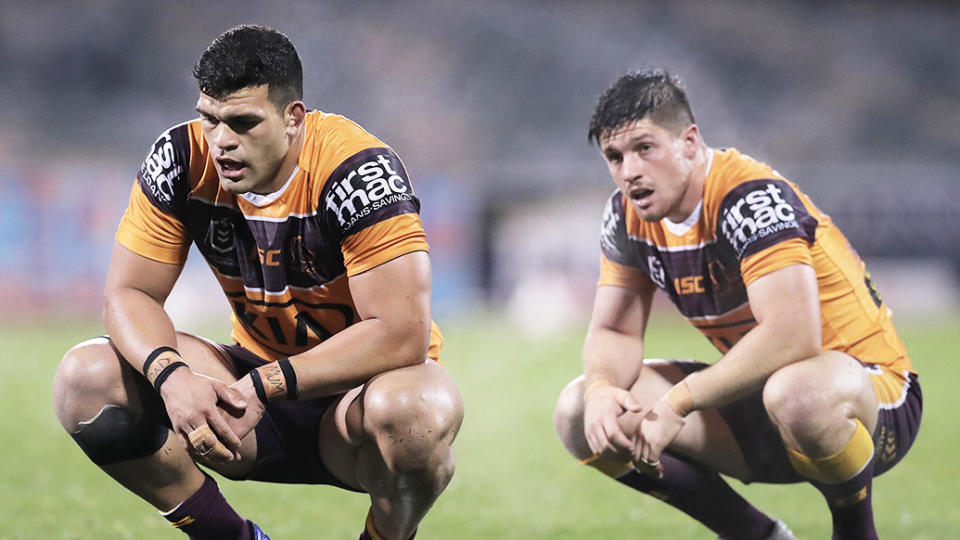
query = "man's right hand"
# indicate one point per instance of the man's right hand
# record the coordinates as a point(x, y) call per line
point(602, 406)
point(192, 403)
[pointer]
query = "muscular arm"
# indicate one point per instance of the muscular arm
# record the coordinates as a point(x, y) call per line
point(133, 312)
point(613, 349)
point(787, 308)
point(393, 303)
point(612, 359)
point(134, 317)
point(786, 305)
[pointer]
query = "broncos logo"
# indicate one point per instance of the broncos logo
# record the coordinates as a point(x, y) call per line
point(302, 259)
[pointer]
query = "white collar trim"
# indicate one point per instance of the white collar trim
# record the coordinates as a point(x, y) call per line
point(679, 229)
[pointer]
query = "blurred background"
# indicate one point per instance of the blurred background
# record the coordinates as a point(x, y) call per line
point(488, 102)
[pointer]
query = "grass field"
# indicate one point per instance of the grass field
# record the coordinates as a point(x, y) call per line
point(513, 481)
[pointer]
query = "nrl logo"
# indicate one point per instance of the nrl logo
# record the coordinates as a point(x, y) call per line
point(220, 235)
point(655, 269)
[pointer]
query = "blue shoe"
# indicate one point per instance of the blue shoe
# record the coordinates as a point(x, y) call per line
point(256, 533)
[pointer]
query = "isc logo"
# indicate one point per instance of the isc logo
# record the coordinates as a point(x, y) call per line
point(367, 187)
point(160, 169)
point(688, 285)
point(758, 213)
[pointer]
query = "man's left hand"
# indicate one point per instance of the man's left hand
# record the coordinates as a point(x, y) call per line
point(242, 425)
point(658, 428)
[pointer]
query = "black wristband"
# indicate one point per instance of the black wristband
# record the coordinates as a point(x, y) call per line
point(153, 356)
point(290, 376)
point(162, 376)
point(258, 385)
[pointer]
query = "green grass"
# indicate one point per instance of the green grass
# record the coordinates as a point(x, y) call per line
point(513, 478)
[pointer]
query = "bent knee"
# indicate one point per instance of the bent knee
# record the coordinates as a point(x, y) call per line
point(568, 413)
point(813, 396)
point(412, 425)
point(795, 407)
point(88, 377)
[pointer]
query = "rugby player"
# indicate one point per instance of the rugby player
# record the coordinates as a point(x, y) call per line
point(311, 227)
point(813, 384)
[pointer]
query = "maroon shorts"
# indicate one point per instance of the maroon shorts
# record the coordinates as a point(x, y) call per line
point(763, 450)
point(288, 436)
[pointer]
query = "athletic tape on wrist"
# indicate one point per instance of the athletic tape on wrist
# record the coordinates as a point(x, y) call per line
point(258, 385)
point(291, 377)
point(679, 399)
point(273, 380)
point(594, 386)
point(153, 356)
point(162, 376)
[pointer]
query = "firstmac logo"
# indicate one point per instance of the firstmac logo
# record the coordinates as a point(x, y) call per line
point(373, 183)
point(756, 214)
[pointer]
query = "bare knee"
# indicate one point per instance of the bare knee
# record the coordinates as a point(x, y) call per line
point(796, 406)
point(89, 376)
point(413, 423)
point(568, 419)
point(812, 400)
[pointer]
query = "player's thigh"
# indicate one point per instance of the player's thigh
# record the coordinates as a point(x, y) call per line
point(206, 357)
point(93, 373)
point(829, 387)
point(421, 397)
point(706, 437)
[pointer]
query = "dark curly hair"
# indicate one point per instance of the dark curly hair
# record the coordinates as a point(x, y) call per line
point(251, 55)
point(653, 92)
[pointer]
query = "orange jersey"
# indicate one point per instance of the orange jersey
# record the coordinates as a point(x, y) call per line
point(282, 259)
point(751, 222)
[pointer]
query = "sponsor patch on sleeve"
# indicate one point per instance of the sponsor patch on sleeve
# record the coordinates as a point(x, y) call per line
point(368, 187)
point(613, 234)
point(166, 168)
point(760, 213)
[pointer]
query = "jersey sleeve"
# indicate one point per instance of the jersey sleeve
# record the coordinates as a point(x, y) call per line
point(370, 205)
point(618, 275)
point(148, 231)
point(613, 231)
point(786, 253)
point(766, 226)
point(382, 242)
point(150, 225)
point(619, 265)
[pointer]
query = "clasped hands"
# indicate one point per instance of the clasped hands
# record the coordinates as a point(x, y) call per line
point(617, 426)
point(210, 417)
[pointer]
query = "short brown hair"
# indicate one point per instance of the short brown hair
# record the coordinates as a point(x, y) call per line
point(636, 95)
